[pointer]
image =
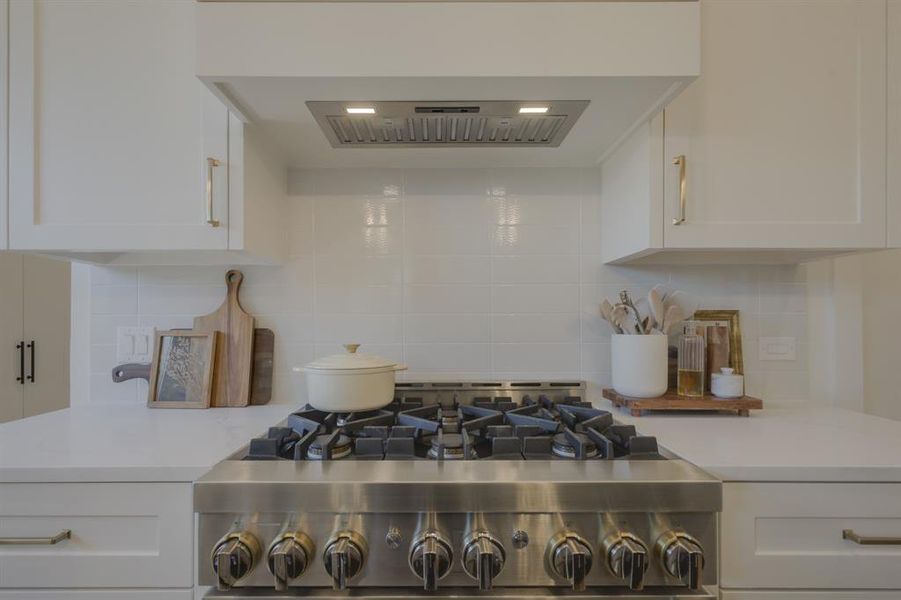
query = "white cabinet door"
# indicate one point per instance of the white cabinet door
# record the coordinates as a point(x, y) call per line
point(110, 129)
point(894, 123)
point(784, 131)
point(11, 376)
point(46, 289)
point(790, 536)
point(4, 120)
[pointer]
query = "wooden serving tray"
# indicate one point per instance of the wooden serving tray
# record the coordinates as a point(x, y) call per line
point(673, 401)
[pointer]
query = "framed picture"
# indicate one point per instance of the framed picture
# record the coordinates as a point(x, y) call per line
point(728, 321)
point(181, 373)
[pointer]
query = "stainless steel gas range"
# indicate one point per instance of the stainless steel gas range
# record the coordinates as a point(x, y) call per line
point(512, 490)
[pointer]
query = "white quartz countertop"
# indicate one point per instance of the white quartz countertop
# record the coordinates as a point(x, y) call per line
point(800, 442)
point(127, 442)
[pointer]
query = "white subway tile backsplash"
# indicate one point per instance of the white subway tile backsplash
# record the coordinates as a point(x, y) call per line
point(535, 298)
point(113, 276)
point(528, 328)
point(350, 328)
point(337, 270)
point(535, 239)
point(534, 269)
point(449, 357)
point(459, 273)
point(448, 238)
point(447, 269)
point(180, 299)
point(447, 299)
point(114, 300)
point(354, 299)
point(545, 211)
point(537, 357)
point(783, 298)
point(420, 328)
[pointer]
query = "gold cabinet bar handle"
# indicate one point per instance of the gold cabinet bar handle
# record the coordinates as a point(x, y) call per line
point(65, 534)
point(849, 534)
point(210, 163)
point(679, 161)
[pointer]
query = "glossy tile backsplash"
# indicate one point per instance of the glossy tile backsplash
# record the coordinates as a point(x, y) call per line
point(457, 273)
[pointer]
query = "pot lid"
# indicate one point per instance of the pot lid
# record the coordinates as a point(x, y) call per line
point(350, 360)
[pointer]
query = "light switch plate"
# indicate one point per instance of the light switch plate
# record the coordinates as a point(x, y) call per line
point(777, 348)
point(134, 344)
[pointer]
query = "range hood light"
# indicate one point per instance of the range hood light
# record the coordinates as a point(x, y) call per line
point(533, 110)
point(360, 110)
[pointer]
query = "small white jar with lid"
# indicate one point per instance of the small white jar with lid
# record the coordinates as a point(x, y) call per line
point(727, 384)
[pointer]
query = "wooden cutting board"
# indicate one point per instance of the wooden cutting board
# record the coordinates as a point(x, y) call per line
point(263, 352)
point(234, 359)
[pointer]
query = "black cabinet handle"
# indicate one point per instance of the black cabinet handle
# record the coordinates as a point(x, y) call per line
point(21, 348)
point(31, 346)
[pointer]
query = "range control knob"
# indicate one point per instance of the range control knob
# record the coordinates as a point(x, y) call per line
point(483, 558)
point(627, 558)
point(682, 556)
point(569, 557)
point(344, 557)
point(234, 557)
point(289, 555)
point(431, 558)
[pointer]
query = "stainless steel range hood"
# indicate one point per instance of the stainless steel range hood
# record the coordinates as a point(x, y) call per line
point(441, 124)
point(602, 68)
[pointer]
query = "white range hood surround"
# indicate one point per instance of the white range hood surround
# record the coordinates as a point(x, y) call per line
point(267, 59)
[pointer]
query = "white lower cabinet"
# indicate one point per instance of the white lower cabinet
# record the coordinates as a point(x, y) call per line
point(96, 594)
point(789, 536)
point(123, 535)
point(809, 595)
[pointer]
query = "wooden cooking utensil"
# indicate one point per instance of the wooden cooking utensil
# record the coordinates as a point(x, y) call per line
point(231, 375)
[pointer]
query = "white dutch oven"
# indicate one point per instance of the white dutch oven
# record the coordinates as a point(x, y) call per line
point(350, 382)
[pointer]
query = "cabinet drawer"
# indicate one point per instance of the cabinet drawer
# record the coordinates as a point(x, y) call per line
point(122, 535)
point(186, 594)
point(809, 595)
point(789, 535)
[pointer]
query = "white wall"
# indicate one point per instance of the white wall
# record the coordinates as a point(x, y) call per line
point(870, 323)
point(458, 273)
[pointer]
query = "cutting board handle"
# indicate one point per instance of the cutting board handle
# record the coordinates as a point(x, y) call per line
point(233, 279)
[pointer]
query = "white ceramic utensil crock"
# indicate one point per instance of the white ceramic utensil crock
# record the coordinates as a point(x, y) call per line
point(639, 365)
point(350, 382)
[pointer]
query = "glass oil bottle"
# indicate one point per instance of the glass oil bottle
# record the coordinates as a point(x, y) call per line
point(692, 360)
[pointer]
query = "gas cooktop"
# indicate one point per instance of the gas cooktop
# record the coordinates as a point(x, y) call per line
point(460, 421)
point(515, 489)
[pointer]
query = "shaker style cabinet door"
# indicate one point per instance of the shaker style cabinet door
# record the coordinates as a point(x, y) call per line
point(12, 367)
point(894, 124)
point(110, 130)
point(4, 120)
point(784, 133)
point(46, 317)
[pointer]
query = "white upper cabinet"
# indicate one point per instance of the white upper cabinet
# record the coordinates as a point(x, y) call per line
point(779, 145)
point(894, 123)
point(111, 133)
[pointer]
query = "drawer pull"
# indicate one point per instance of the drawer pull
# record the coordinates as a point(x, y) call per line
point(65, 534)
point(848, 534)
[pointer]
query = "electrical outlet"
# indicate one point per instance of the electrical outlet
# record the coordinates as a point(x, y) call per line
point(134, 344)
point(776, 348)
